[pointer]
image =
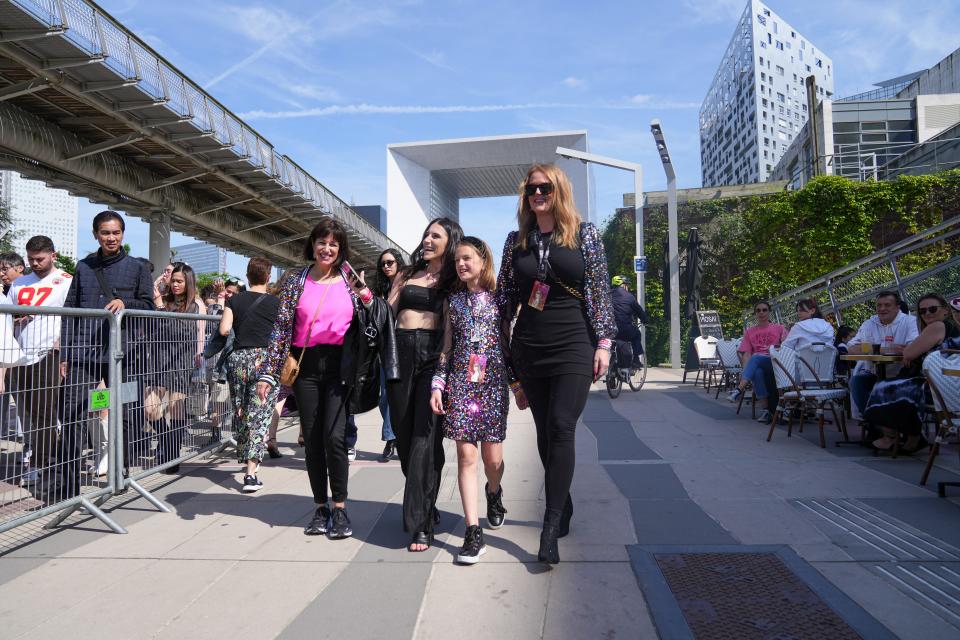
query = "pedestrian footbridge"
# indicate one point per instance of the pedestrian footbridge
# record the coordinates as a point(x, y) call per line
point(88, 107)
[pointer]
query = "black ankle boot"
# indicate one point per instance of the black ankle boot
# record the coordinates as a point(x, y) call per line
point(549, 553)
point(565, 517)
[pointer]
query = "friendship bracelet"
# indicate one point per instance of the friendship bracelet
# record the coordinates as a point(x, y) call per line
point(604, 343)
point(438, 384)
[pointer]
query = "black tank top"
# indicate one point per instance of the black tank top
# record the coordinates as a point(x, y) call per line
point(420, 298)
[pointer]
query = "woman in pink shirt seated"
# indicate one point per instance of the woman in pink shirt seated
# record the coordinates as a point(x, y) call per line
point(756, 344)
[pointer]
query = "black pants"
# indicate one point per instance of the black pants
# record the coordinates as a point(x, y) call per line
point(556, 403)
point(418, 430)
point(321, 398)
point(82, 377)
point(634, 336)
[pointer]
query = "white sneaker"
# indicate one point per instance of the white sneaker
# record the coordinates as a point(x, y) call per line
point(734, 395)
point(764, 417)
point(351, 453)
point(251, 484)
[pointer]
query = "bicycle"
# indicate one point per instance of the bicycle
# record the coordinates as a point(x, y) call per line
point(617, 375)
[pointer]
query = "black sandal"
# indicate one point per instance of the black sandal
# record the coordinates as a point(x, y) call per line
point(420, 537)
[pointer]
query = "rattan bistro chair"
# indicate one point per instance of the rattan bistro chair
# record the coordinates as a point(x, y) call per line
point(708, 362)
point(730, 368)
point(946, 402)
point(787, 367)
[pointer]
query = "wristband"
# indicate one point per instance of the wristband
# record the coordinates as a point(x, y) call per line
point(438, 384)
point(366, 296)
point(605, 344)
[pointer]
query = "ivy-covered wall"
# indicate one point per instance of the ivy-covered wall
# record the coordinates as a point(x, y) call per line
point(759, 246)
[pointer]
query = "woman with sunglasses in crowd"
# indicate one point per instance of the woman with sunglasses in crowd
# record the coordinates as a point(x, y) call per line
point(555, 270)
point(334, 328)
point(896, 404)
point(754, 353)
point(416, 297)
point(388, 267)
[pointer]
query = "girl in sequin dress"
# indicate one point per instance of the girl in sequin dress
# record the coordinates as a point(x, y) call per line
point(469, 388)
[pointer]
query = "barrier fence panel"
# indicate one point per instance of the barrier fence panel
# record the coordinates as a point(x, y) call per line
point(175, 405)
point(56, 397)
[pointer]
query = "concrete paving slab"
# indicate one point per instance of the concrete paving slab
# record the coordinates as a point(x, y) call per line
point(264, 596)
point(514, 601)
point(906, 618)
point(597, 601)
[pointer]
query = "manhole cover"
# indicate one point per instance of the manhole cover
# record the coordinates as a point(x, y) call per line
point(747, 596)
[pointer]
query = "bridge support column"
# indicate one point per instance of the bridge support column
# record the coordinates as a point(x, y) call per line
point(159, 242)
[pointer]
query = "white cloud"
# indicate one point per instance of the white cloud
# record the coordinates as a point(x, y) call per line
point(640, 98)
point(315, 92)
point(573, 82)
point(371, 109)
point(435, 57)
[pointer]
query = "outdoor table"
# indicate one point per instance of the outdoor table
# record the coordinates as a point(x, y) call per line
point(879, 359)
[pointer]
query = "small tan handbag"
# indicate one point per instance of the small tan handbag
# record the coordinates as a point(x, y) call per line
point(291, 366)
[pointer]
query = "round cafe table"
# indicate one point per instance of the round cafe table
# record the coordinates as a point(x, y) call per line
point(881, 360)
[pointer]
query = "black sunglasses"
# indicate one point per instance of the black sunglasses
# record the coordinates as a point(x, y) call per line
point(388, 263)
point(546, 188)
point(930, 309)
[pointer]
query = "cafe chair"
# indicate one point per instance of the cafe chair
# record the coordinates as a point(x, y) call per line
point(730, 368)
point(789, 370)
point(945, 390)
point(708, 363)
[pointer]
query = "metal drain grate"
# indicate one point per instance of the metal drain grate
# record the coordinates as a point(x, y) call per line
point(867, 534)
point(935, 585)
point(747, 596)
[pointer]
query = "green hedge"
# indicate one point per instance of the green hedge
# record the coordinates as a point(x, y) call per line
point(760, 246)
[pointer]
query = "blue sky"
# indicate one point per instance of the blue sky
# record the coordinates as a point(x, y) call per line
point(332, 83)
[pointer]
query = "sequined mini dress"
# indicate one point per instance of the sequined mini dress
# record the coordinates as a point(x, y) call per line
point(475, 411)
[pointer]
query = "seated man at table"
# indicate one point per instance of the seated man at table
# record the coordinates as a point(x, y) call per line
point(896, 404)
point(892, 330)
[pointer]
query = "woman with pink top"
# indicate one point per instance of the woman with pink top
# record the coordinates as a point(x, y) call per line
point(338, 330)
point(755, 354)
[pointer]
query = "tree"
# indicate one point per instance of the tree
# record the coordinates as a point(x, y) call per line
point(8, 236)
point(66, 263)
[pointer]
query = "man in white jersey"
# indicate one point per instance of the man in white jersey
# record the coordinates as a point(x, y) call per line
point(35, 383)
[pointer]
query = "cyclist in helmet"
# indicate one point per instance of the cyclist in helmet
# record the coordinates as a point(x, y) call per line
point(625, 309)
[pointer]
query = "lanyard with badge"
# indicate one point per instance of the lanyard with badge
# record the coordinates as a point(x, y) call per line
point(540, 290)
point(477, 364)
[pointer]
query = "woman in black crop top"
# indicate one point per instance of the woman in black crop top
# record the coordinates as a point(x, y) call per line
point(417, 296)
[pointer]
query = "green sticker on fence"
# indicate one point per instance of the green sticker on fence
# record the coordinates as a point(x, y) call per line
point(99, 399)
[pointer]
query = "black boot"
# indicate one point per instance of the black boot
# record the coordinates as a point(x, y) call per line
point(549, 553)
point(495, 509)
point(565, 518)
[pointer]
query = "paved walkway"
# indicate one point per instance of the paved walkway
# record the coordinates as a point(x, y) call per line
point(668, 470)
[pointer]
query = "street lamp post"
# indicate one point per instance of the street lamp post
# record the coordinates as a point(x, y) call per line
point(672, 242)
point(637, 170)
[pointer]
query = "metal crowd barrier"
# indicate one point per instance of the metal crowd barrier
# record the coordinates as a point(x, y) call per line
point(136, 401)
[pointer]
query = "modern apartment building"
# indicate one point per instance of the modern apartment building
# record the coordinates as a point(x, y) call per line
point(37, 209)
point(757, 102)
point(201, 256)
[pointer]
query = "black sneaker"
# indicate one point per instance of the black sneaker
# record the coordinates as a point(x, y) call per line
point(251, 484)
point(473, 546)
point(340, 526)
point(320, 522)
point(495, 508)
point(389, 450)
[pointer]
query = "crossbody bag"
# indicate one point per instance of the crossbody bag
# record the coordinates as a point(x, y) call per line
point(291, 366)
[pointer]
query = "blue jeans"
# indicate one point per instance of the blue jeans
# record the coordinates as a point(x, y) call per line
point(758, 369)
point(386, 433)
point(860, 387)
point(350, 433)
